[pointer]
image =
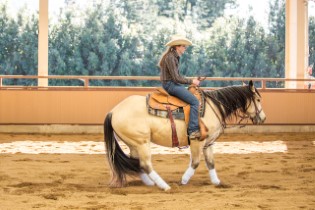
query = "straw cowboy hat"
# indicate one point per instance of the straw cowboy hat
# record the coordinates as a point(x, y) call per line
point(179, 40)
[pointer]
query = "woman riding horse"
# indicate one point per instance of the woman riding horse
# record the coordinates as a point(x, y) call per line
point(172, 80)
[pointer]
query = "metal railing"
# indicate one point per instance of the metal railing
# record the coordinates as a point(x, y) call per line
point(87, 79)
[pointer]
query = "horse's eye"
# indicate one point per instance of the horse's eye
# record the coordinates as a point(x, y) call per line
point(258, 99)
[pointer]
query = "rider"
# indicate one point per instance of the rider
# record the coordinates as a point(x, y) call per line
point(173, 82)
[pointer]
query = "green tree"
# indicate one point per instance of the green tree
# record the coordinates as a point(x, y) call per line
point(128, 38)
point(18, 42)
point(132, 10)
point(25, 59)
point(276, 39)
point(92, 45)
point(9, 31)
point(203, 12)
point(207, 11)
point(63, 50)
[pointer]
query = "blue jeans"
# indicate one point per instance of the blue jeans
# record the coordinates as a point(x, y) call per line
point(182, 93)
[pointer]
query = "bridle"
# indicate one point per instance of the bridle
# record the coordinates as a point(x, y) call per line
point(242, 117)
point(246, 116)
point(257, 111)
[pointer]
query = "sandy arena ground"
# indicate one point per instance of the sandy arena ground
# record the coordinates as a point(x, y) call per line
point(282, 176)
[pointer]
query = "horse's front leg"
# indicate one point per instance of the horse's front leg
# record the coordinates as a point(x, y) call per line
point(194, 161)
point(209, 158)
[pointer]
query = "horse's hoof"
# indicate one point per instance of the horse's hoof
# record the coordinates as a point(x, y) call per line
point(168, 188)
point(183, 182)
point(222, 185)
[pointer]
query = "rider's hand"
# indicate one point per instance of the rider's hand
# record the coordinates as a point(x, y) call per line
point(196, 82)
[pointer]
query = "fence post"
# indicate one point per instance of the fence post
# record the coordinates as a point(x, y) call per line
point(86, 82)
point(263, 84)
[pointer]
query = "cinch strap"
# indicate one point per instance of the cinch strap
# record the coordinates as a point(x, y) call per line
point(175, 142)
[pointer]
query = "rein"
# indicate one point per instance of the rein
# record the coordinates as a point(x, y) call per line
point(223, 124)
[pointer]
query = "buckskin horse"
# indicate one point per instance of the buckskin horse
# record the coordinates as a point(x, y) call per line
point(130, 122)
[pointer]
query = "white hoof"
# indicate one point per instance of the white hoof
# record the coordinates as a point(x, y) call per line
point(216, 183)
point(184, 182)
point(167, 188)
point(214, 178)
point(187, 175)
point(159, 181)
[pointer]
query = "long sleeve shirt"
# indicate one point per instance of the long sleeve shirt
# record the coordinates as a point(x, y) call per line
point(170, 70)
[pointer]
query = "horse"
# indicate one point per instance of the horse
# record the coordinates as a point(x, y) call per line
point(130, 122)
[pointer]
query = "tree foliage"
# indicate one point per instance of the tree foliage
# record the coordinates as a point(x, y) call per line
point(127, 37)
point(18, 45)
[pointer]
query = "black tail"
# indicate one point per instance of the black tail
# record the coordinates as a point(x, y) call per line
point(120, 163)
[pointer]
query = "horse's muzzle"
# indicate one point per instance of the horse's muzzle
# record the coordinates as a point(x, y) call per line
point(258, 120)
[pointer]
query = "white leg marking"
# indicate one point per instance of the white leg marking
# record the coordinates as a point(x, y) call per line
point(187, 175)
point(213, 176)
point(159, 181)
point(146, 179)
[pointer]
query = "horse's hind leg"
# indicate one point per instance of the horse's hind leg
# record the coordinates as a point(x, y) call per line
point(146, 179)
point(143, 176)
point(194, 161)
point(144, 154)
point(209, 158)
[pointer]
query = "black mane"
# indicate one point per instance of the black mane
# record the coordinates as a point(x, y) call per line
point(231, 100)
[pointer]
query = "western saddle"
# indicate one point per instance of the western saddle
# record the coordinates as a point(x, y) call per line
point(160, 103)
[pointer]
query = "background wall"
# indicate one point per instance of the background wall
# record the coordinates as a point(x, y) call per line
point(89, 107)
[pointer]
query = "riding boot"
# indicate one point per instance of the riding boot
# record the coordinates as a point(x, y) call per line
point(200, 134)
point(203, 130)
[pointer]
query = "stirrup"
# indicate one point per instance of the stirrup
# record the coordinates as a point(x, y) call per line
point(195, 135)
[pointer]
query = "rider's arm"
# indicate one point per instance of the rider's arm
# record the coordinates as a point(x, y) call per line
point(171, 63)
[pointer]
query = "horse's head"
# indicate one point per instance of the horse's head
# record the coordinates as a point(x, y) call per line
point(254, 109)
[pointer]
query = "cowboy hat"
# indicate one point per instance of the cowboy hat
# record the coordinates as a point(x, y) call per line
point(179, 40)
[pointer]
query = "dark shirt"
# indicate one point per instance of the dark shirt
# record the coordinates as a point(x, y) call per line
point(170, 69)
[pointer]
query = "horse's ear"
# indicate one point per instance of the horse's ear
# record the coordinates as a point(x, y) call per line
point(251, 86)
point(243, 83)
